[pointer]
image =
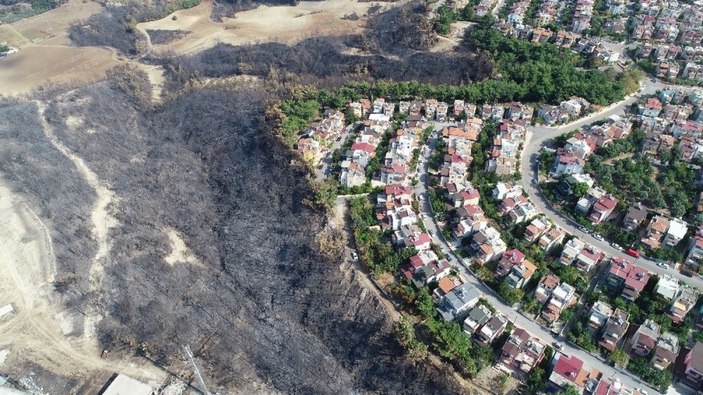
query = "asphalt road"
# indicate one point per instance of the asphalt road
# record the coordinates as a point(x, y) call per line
point(538, 137)
point(528, 324)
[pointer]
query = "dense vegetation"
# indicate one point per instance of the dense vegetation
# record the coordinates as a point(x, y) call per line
point(546, 73)
point(636, 179)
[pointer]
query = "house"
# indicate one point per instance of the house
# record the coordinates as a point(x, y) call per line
point(615, 330)
point(626, 279)
point(568, 370)
point(457, 302)
point(535, 229)
point(425, 268)
point(503, 191)
point(613, 387)
point(521, 353)
point(645, 339)
point(652, 107)
point(602, 209)
point(352, 174)
point(509, 259)
point(571, 250)
point(477, 316)
point(523, 212)
point(309, 148)
point(418, 241)
point(666, 351)
point(683, 303)
point(362, 153)
point(634, 217)
point(488, 245)
point(668, 287)
point(588, 258)
point(567, 164)
point(562, 297)
point(655, 231)
point(520, 274)
point(675, 233)
point(492, 329)
point(599, 315)
point(545, 287)
point(694, 255)
point(445, 286)
point(552, 238)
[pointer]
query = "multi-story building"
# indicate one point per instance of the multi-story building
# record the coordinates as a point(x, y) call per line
point(626, 279)
point(694, 255)
point(682, 304)
point(521, 353)
point(615, 330)
point(666, 351)
point(645, 339)
point(545, 287)
point(562, 297)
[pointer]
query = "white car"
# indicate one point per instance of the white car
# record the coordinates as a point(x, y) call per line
point(599, 237)
point(663, 265)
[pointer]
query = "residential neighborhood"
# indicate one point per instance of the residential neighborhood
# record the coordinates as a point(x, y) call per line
point(449, 227)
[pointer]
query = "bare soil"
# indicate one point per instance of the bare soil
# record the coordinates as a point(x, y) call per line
point(264, 24)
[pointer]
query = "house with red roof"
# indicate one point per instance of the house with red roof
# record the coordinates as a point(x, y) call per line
point(568, 370)
point(602, 209)
point(567, 164)
point(509, 259)
point(652, 107)
point(626, 278)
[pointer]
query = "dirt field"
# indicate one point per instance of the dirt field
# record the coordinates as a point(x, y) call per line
point(36, 331)
point(52, 25)
point(41, 65)
point(45, 56)
point(282, 24)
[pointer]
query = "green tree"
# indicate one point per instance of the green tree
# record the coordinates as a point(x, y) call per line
point(580, 190)
point(569, 390)
point(326, 193)
point(619, 358)
point(425, 304)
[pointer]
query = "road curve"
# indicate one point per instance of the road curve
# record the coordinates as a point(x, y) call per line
point(538, 137)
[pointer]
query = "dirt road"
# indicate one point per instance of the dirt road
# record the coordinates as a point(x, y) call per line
point(34, 332)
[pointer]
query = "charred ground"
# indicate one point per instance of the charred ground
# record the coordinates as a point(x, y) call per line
point(260, 304)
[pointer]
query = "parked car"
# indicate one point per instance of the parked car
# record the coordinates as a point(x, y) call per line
point(633, 253)
point(598, 237)
point(663, 265)
point(687, 273)
point(616, 246)
point(558, 346)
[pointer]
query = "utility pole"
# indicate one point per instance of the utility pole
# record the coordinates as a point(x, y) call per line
point(193, 366)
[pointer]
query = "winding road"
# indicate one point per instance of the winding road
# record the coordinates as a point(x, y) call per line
point(539, 137)
point(536, 139)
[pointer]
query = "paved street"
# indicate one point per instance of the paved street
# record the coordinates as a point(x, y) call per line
point(538, 137)
point(519, 320)
point(322, 171)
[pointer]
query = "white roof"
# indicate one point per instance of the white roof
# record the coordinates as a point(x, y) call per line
point(125, 385)
point(668, 287)
point(677, 228)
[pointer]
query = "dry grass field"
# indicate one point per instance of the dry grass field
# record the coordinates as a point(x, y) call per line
point(263, 24)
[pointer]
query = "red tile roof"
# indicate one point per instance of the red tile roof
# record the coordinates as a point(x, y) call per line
point(568, 367)
point(363, 147)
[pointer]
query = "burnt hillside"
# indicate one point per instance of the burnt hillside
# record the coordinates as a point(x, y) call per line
point(259, 304)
